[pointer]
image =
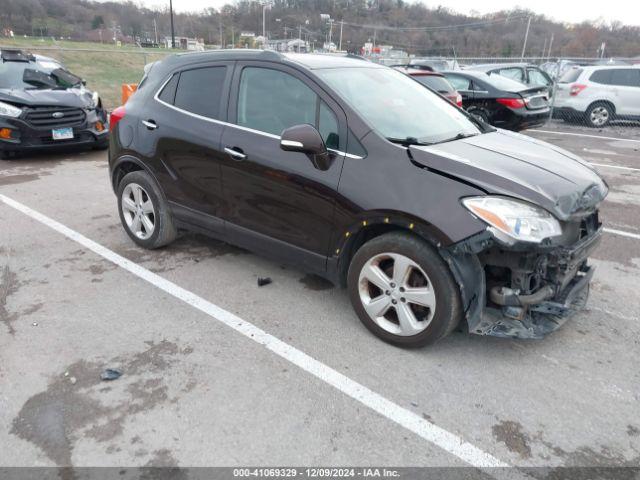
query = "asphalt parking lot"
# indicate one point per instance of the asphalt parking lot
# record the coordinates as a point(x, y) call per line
point(196, 392)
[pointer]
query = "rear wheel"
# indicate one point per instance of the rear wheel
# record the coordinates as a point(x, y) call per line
point(144, 213)
point(599, 115)
point(403, 291)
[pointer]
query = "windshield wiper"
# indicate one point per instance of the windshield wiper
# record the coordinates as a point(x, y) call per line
point(407, 141)
point(459, 136)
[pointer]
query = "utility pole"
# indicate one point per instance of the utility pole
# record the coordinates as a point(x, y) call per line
point(340, 43)
point(173, 34)
point(155, 29)
point(526, 37)
point(220, 30)
point(299, 36)
point(264, 30)
point(330, 32)
point(544, 48)
point(550, 43)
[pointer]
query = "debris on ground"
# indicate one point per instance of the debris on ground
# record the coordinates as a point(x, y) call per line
point(262, 281)
point(110, 374)
point(73, 380)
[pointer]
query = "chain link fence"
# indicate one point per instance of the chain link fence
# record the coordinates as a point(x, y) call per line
point(584, 94)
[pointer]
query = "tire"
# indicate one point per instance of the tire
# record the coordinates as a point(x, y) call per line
point(157, 211)
point(599, 115)
point(481, 115)
point(440, 312)
point(101, 145)
point(4, 155)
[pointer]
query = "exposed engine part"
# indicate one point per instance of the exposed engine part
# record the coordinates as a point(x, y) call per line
point(505, 296)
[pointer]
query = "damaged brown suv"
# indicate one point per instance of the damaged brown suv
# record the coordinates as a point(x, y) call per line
point(357, 172)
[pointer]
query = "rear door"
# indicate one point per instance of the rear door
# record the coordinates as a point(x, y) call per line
point(464, 86)
point(277, 202)
point(191, 110)
point(626, 85)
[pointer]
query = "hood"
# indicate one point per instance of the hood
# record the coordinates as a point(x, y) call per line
point(507, 163)
point(71, 97)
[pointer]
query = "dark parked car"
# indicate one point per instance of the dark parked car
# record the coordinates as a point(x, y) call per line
point(500, 101)
point(354, 171)
point(436, 81)
point(44, 106)
point(528, 74)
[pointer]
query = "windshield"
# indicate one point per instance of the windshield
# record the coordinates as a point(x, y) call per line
point(398, 107)
point(30, 75)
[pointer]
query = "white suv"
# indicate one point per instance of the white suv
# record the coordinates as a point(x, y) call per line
point(599, 94)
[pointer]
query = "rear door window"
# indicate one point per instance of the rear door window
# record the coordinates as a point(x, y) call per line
point(459, 83)
point(625, 77)
point(536, 77)
point(512, 73)
point(200, 90)
point(601, 76)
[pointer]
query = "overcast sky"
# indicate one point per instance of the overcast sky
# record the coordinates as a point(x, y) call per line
point(626, 11)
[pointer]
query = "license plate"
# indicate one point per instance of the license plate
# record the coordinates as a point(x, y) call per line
point(62, 133)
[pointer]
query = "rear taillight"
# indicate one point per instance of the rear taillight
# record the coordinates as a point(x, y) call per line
point(116, 116)
point(576, 88)
point(458, 99)
point(511, 102)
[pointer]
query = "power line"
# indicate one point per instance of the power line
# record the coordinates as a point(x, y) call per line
point(436, 27)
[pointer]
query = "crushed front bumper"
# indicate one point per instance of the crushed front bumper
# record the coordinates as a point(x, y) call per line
point(561, 271)
point(540, 319)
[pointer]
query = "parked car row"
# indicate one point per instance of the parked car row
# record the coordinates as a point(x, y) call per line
point(516, 96)
point(44, 106)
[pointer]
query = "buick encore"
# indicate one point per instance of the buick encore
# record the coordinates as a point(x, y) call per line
point(354, 171)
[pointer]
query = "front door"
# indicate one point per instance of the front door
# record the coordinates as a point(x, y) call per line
point(276, 201)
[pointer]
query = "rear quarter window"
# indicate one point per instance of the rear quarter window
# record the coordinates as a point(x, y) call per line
point(571, 75)
point(459, 83)
point(439, 84)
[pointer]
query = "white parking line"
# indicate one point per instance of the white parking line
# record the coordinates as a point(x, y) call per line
point(449, 442)
point(614, 166)
point(585, 135)
point(622, 233)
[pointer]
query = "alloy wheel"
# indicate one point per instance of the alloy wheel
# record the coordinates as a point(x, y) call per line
point(397, 294)
point(138, 211)
point(599, 116)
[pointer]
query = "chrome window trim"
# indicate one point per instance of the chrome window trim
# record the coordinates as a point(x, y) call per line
point(233, 125)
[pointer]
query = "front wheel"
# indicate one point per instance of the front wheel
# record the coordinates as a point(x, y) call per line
point(403, 291)
point(144, 212)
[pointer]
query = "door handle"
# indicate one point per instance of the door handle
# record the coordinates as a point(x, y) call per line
point(150, 124)
point(235, 153)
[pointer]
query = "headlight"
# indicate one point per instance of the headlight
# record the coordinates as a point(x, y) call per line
point(513, 220)
point(95, 99)
point(7, 110)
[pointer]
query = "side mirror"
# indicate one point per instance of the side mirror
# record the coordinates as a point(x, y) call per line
point(306, 139)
